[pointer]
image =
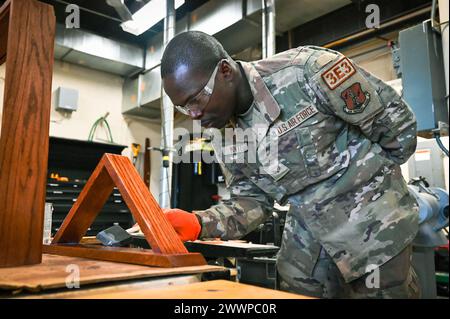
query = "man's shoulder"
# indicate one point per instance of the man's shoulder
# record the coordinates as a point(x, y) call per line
point(303, 56)
point(280, 61)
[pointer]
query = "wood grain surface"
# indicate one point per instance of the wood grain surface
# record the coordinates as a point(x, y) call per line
point(126, 255)
point(215, 289)
point(53, 271)
point(158, 231)
point(4, 22)
point(24, 136)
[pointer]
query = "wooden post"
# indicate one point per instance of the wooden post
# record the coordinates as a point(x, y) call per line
point(27, 31)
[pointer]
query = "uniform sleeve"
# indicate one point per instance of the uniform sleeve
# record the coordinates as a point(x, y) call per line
point(342, 88)
point(246, 209)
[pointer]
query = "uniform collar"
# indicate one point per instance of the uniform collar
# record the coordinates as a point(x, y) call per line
point(264, 102)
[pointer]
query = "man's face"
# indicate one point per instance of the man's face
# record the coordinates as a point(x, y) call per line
point(186, 88)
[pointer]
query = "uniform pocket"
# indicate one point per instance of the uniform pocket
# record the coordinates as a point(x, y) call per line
point(308, 151)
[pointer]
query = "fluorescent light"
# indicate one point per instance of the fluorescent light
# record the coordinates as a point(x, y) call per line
point(146, 17)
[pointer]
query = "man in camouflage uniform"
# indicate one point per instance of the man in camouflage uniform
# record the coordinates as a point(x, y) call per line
point(341, 135)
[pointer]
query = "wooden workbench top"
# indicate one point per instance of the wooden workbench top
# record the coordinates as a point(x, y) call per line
point(54, 270)
point(215, 289)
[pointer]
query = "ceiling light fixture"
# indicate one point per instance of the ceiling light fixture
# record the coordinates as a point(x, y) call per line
point(121, 9)
point(146, 17)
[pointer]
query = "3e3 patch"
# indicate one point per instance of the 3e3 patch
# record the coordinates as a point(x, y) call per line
point(338, 73)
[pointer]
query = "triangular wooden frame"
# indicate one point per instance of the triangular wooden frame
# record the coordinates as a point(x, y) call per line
point(115, 170)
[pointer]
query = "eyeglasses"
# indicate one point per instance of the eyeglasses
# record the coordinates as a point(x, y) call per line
point(201, 99)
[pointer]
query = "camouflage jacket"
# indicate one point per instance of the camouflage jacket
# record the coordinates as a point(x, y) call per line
point(341, 134)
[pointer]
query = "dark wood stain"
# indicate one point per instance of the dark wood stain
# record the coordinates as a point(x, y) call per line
point(27, 31)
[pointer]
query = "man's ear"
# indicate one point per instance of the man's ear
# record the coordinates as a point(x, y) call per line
point(227, 70)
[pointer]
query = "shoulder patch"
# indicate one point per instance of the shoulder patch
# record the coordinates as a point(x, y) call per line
point(338, 73)
point(355, 98)
point(325, 58)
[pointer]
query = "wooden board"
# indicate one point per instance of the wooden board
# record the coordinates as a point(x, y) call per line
point(115, 170)
point(126, 255)
point(215, 289)
point(52, 273)
point(4, 22)
point(25, 128)
point(113, 287)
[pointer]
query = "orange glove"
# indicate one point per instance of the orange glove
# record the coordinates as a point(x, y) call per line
point(187, 225)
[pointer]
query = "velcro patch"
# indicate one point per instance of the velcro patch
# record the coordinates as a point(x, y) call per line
point(355, 98)
point(296, 120)
point(338, 73)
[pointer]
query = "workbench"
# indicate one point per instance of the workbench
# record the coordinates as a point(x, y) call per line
point(51, 275)
point(104, 280)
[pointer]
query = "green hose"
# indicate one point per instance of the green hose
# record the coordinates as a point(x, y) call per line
point(101, 120)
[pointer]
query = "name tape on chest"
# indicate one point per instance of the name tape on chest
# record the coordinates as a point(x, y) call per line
point(338, 73)
point(296, 120)
point(235, 149)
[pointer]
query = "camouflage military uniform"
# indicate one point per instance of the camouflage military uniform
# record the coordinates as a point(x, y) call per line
point(341, 134)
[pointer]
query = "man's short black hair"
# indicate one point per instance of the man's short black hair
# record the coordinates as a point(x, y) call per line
point(197, 50)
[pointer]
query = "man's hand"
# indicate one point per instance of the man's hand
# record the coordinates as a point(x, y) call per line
point(185, 224)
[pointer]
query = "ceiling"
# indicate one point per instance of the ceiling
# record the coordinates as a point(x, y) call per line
point(100, 18)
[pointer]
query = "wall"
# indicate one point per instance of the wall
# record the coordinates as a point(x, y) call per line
point(99, 92)
point(374, 55)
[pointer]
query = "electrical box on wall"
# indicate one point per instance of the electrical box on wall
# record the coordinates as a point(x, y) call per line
point(423, 77)
point(66, 99)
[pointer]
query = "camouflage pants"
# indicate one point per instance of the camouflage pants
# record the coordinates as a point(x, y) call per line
point(305, 268)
